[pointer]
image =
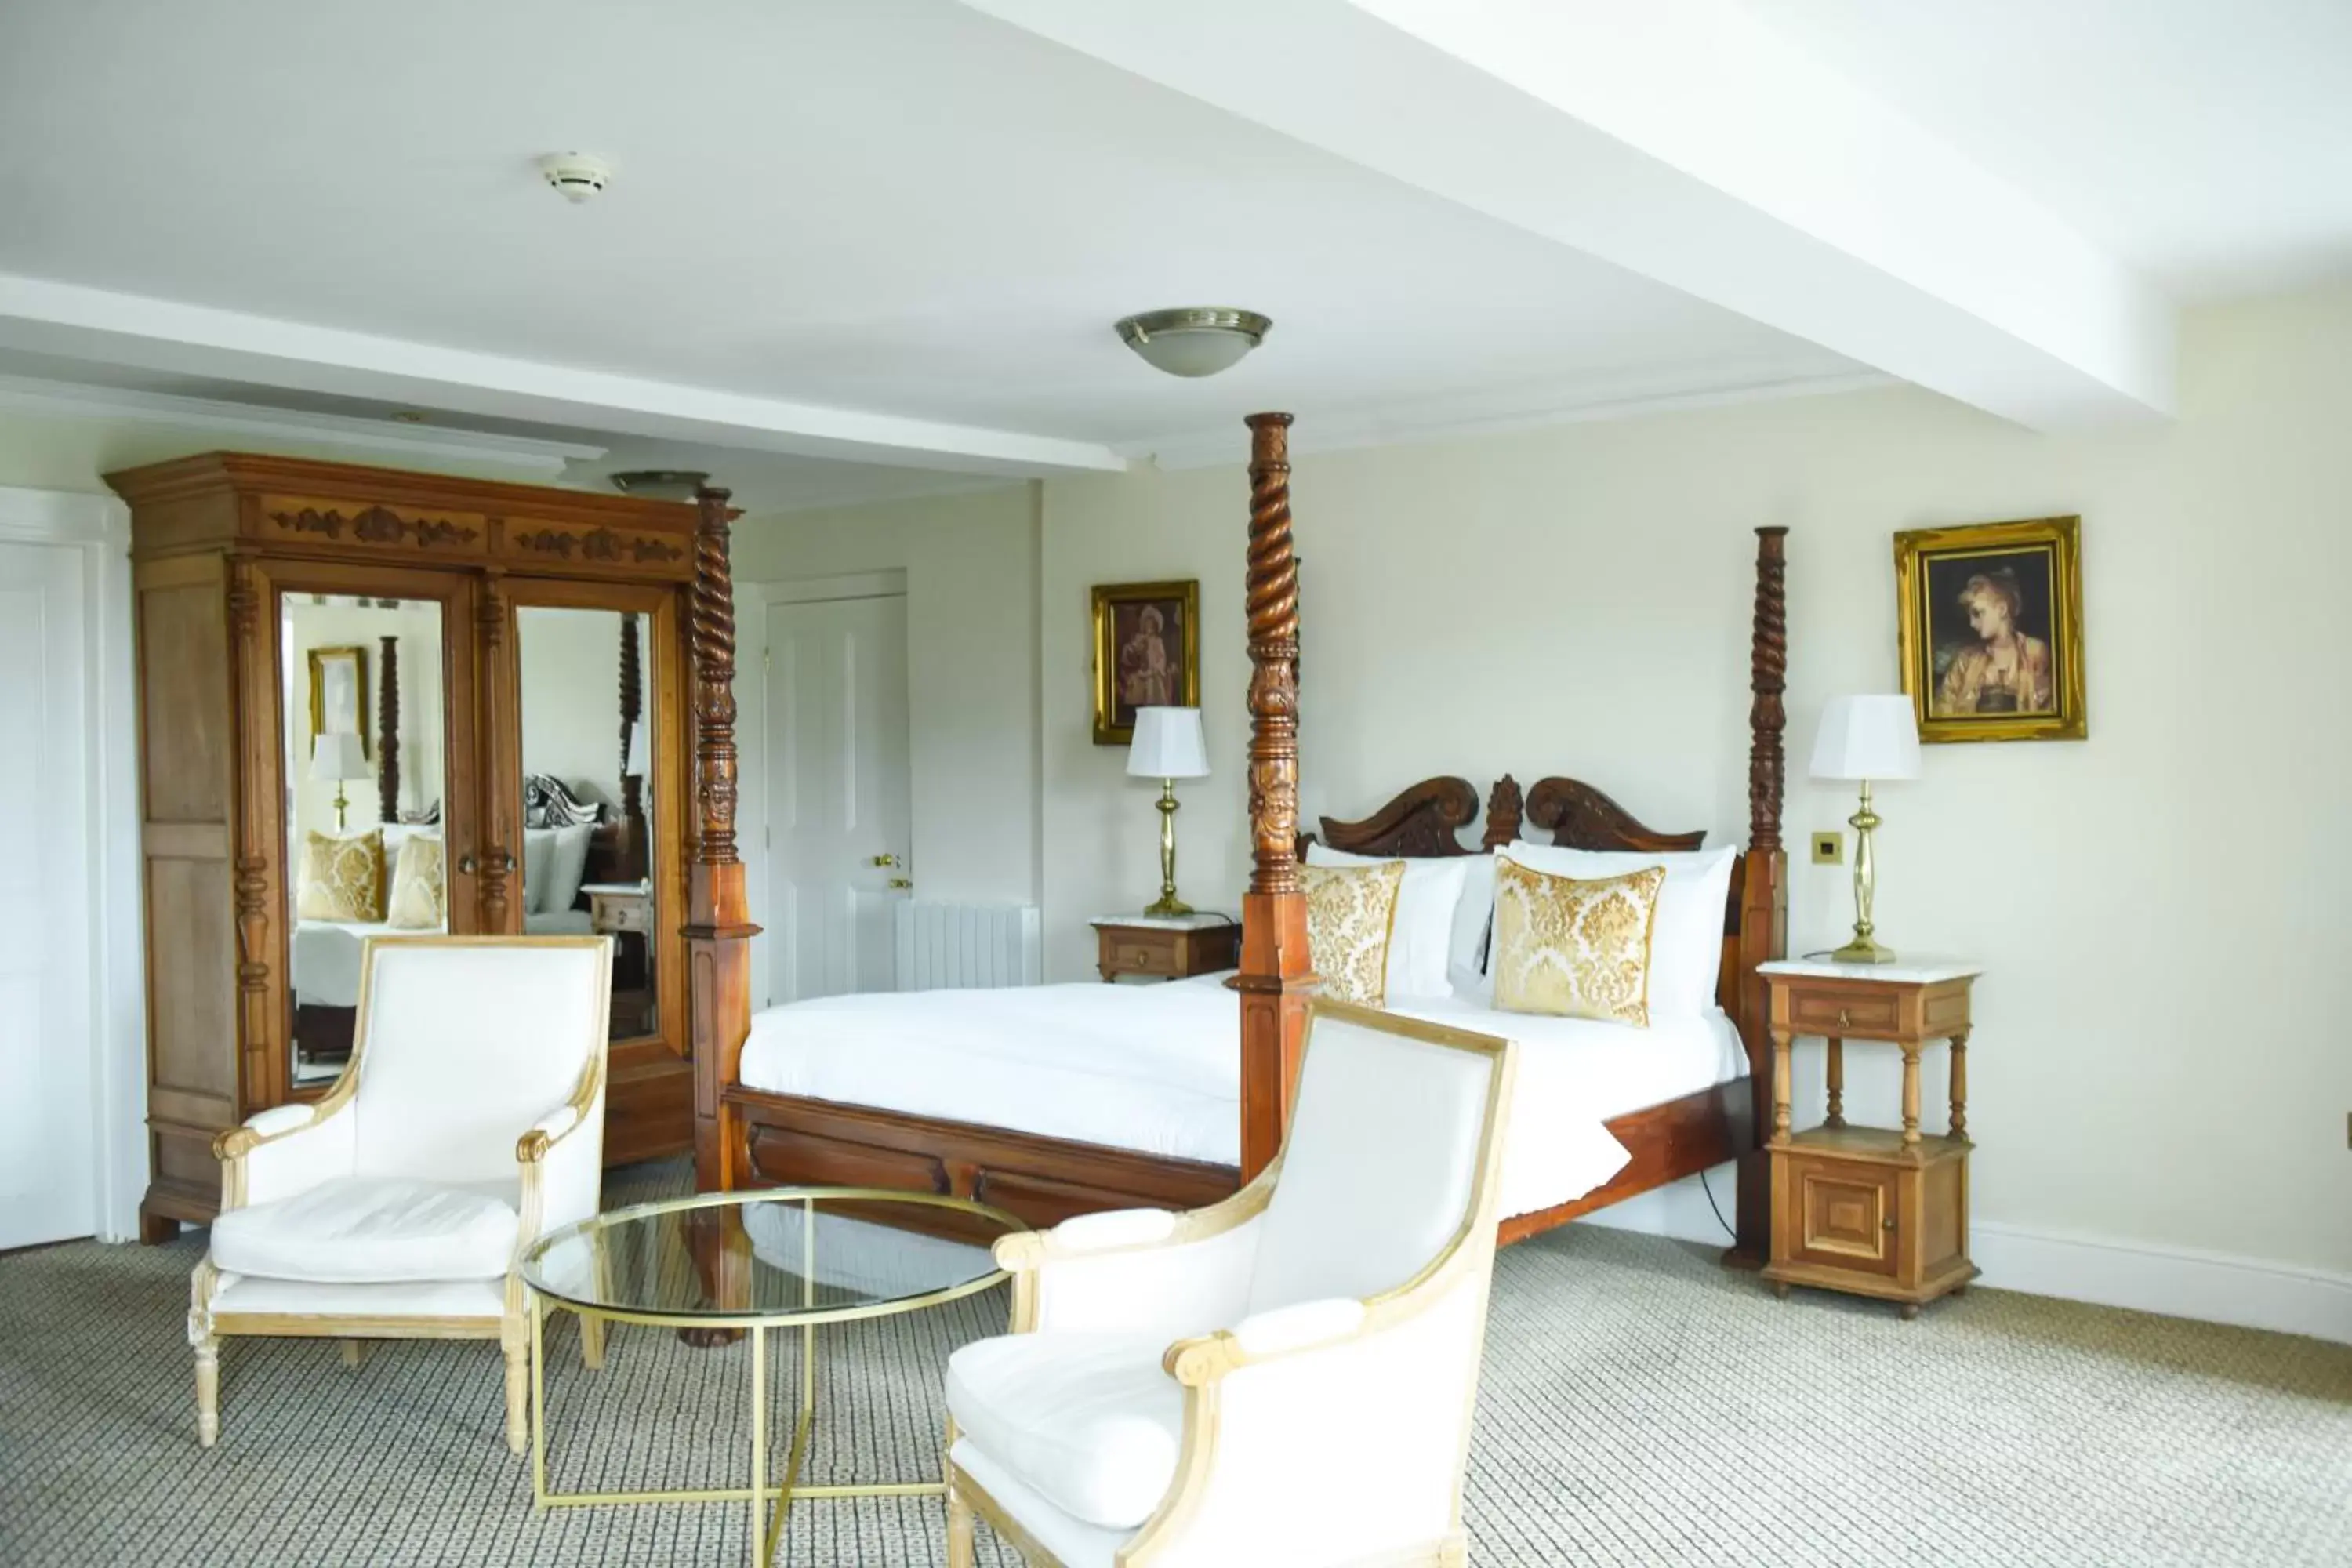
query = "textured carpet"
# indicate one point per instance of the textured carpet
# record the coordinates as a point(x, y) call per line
point(1640, 1404)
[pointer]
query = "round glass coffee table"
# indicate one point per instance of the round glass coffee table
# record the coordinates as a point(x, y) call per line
point(779, 1258)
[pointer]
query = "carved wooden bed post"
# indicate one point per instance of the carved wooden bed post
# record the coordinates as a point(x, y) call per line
point(1276, 976)
point(634, 849)
point(387, 731)
point(1764, 896)
point(718, 926)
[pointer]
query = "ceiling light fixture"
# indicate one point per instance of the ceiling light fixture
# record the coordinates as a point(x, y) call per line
point(577, 175)
point(1198, 340)
point(660, 484)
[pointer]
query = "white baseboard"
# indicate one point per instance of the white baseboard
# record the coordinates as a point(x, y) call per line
point(2178, 1282)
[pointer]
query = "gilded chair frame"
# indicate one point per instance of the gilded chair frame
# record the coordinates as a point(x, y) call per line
point(511, 1327)
point(1201, 1362)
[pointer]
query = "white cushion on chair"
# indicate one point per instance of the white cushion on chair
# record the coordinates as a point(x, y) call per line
point(1089, 1420)
point(370, 1228)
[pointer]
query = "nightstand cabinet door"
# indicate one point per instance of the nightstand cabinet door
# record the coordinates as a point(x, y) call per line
point(1846, 1215)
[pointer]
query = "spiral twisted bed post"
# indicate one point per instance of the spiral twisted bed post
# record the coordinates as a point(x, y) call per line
point(718, 926)
point(1276, 978)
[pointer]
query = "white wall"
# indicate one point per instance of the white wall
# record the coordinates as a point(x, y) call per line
point(2158, 1058)
point(568, 664)
point(971, 566)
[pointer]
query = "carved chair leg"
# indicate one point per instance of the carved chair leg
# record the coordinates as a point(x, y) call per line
point(208, 1389)
point(516, 1347)
point(354, 1353)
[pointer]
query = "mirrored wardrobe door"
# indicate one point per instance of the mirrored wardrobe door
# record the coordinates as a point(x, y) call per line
point(588, 707)
point(370, 758)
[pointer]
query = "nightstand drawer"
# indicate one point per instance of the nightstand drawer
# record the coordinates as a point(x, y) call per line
point(1826, 1010)
point(1130, 956)
point(1845, 1215)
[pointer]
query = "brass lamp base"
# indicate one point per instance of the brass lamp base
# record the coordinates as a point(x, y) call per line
point(1861, 950)
point(1171, 905)
point(1168, 904)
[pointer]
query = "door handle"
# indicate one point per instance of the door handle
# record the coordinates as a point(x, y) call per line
point(886, 860)
point(902, 881)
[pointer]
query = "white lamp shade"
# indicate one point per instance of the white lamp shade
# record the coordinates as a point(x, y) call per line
point(635, 765)
point(337, 756)
point(1169, 744)
point(1870, 737)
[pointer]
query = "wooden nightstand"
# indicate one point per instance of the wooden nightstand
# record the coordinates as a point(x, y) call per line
point(1874, 1211)
point(1167, 947)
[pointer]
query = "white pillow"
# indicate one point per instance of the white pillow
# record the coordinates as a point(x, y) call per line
point(1423, 932)
point(537, 867)
point(571, 866)
point(1686, 940)
point(1473, 917)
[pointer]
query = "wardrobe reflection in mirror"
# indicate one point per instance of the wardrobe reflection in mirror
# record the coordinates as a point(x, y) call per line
point(361, 697)
point(587, 722)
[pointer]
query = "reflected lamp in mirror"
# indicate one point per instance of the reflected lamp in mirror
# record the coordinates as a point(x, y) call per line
point(1168, 745)
point(341, 758)
point(1865, 740)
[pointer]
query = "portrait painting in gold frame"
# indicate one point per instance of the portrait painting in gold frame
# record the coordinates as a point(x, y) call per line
point(1147, 653)
point(339, 693)
point(1990, 620)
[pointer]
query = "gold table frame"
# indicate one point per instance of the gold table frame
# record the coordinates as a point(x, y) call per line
point(767, 1527)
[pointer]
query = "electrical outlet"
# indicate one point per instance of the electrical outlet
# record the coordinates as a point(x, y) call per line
point(1828, 849)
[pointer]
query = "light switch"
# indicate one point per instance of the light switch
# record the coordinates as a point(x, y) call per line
point(1828, 849)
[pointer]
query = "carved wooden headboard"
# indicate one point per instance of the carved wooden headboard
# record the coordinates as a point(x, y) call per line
point(1422, 821)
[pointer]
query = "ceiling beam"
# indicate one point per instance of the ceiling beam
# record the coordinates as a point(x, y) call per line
point(65, 320)
point(1687, 141)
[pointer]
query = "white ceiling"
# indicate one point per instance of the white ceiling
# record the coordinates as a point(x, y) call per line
point(2207, 141)
point(826, 212)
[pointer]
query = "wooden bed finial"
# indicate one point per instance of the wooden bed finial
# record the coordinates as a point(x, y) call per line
point(387, 731)
point(1767, 679)
point(1277, 972)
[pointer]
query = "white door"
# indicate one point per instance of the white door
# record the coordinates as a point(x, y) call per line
point(837, 812)
point(48, 1043)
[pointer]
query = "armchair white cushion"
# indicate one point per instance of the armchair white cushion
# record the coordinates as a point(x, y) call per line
point(1284, 1378)
point(469, 1121)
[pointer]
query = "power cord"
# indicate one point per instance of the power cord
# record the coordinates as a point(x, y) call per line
point(1709, 1191)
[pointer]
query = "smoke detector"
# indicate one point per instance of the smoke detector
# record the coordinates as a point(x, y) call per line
point(578, 175)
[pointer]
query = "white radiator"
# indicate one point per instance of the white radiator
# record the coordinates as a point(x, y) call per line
point(961, 947)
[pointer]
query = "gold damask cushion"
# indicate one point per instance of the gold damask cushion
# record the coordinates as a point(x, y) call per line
point(1573, 948)
point(1350, 912)
point(419, 900)
point(343, 879)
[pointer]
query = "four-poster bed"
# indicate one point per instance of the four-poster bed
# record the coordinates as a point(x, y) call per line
point(746, 1135)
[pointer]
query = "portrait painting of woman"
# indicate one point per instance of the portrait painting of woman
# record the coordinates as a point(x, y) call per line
point(1147, 653)
point(1991, 630)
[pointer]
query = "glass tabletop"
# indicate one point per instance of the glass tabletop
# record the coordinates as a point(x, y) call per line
point(779, 1254)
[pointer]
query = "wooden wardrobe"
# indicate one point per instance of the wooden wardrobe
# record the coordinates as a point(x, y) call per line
point(494, 607)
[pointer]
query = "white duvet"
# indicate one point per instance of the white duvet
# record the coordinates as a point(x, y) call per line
point(1156, 1068)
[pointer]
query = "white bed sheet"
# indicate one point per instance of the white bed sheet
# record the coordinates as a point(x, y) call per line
point(326, 961)
point(1157, 1068)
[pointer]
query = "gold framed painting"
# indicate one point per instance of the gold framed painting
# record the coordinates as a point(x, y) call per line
point(339, 693)
point(1992, 629)
point(1147, 653)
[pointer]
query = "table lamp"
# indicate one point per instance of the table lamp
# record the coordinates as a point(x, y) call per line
point(1866, 739)
point(1168, 745)
point(340, 756)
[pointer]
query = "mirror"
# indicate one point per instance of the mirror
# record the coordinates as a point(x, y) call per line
point(364, 781)
point(587, 727)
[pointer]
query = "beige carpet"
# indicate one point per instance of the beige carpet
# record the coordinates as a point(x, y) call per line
point(1639, 1405)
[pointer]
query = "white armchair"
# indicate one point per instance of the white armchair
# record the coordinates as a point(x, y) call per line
point(469, 1121)
point(1284, 1378)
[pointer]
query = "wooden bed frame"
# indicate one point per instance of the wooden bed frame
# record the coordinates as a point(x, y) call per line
point(745, 1137)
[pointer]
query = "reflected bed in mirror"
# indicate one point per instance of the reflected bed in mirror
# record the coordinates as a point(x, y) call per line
point(586, 710)
point(364, 775)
